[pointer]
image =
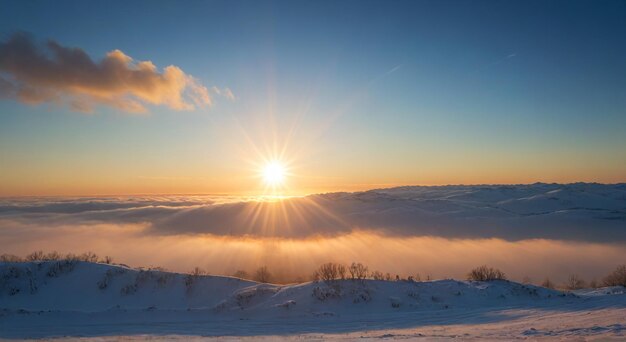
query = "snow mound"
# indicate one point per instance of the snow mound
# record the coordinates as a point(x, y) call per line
point(82, 286)
point(72, 298)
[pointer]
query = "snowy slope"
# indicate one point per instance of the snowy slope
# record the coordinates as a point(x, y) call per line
point(83, 286)
point(43, 299)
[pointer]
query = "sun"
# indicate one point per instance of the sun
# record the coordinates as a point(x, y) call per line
point(274, 174)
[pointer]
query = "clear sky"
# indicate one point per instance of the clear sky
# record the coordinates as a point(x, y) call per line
point(347, 94)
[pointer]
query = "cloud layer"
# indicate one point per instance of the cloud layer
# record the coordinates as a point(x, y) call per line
point(577, 212)
point(62, 75)
point(527, 230)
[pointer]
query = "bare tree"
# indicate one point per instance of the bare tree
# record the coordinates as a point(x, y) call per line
point(616, 278)
point(387, 276)
point(358, 271)
point(341, 269)
point(106, 260)
point(262, 275)
point(574, 282)
point(328, 272)
point(377, 275)
point(484, 273)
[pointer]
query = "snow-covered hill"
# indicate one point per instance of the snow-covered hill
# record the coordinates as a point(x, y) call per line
point(61, 298)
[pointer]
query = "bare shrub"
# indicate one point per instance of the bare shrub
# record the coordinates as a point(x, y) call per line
point(616, 278)
point(192, 277)
point(484, 273)
point(241, 274)
point(55, 256)
point(163, 278)
point(341, 269)
point(574, 282)
point(103, 283)
point(197, 272)
point(72, 257)
point(387, 276)
point(10, 258)
point(52, 256)
point(89, 257)
point(547, 283)
point(358, 271)
point(328, 272)
point(377, 275)
point(325, 293)
point(108, 277)
point(418, 277)
point(60, 267)
point(262, 275)
point(34, 256)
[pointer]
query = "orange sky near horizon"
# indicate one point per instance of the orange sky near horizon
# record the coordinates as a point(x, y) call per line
point(247, 184)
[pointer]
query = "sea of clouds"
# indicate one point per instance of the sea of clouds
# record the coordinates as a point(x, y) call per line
point(534, 229)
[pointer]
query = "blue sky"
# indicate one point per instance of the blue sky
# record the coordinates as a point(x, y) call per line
point(415, 92)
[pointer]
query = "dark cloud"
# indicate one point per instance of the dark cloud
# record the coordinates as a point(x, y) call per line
point(54, 73)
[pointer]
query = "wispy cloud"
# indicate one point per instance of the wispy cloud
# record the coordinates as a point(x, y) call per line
point(392, 70)
point(225, 92)
point(53, 73)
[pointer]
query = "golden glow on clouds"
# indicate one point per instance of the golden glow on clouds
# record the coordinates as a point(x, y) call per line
point(290, 259)
point(117, 81)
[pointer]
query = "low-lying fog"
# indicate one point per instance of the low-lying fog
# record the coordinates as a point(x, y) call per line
point(294, 236)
